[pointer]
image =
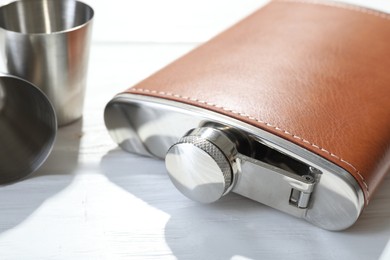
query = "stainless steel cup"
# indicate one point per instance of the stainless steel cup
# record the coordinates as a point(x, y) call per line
point(47, 43)
point(28, 128)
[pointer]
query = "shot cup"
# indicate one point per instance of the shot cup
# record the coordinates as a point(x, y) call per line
point(47, 43)
point(28, 128)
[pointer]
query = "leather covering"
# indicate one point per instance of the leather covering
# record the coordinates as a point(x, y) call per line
point(314, 73)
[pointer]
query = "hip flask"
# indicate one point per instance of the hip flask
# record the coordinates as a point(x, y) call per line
point(290, 107)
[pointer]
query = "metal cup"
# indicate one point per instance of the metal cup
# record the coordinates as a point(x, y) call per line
point(28, 128)
point(47, 43)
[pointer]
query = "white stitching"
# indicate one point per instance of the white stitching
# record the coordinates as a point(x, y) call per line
point(342, 6)
point(259, 121)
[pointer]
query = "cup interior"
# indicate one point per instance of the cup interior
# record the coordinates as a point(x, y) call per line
point(28, 128)
point(44, 16)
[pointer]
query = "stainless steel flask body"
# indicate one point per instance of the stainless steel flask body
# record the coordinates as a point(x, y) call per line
point(208, 155)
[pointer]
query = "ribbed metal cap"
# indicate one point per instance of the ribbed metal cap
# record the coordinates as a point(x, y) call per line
point(199, 169)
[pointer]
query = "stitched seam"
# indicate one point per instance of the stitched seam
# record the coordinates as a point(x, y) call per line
point(259, 121)
point(342, 6)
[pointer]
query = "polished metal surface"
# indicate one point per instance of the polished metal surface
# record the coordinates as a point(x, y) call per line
point(28, 128)
point(273, 186)
point(201, 164)
point(199, 167)
point(196, 173)
point(47, 43)
point(270, 169)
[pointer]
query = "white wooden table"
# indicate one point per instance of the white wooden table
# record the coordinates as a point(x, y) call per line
point(91, 200)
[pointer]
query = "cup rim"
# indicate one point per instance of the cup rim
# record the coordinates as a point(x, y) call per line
point(74, 28)
point(46, 148)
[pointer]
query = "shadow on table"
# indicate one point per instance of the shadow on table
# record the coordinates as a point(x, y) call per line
point(21, 199)
point(236, 226)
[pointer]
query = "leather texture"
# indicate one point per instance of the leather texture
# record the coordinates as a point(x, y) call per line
point(314, 73)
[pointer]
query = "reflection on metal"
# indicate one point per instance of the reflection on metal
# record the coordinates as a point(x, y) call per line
point(2, 98)
point(46, 42)
point(205, 158)
point(210, 154)
point(28, 128)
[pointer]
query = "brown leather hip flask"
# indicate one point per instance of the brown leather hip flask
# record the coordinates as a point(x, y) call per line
point(289, 107)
